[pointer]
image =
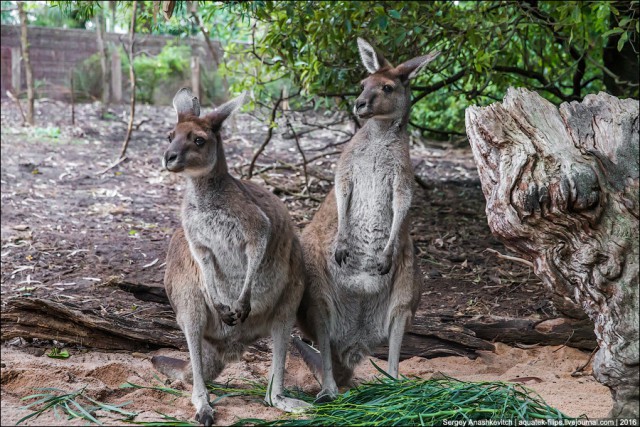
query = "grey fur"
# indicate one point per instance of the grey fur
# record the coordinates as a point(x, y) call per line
point(363, 280)
point(235, 270)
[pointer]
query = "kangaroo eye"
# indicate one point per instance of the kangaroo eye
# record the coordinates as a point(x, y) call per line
point(199, 141)
point(362, 87)
point(387, 88)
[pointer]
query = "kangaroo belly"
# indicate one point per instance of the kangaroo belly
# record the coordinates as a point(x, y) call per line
point(369, 219)
point(361, 324)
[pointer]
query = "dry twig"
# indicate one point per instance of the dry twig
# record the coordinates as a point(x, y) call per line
point(274, 110)
point(510, 258)
point(112, 165)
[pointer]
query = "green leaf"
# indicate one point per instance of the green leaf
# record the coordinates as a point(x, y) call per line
point(616, 30)
point(394, 14)
point(623, 39)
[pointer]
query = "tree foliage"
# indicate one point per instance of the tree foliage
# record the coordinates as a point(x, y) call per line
point(563, 50)
point(555, 48)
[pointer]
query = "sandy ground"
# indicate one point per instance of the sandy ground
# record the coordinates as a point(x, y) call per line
point(103, 372)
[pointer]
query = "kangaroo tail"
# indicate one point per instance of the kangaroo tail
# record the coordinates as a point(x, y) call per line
point(172, 367)
point(310, 355)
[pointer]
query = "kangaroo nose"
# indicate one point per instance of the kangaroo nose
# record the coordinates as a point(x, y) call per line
point(169, 157)
point(360, 103)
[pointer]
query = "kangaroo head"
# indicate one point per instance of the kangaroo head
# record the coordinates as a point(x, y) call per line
point(195, 144)
point(386, 93)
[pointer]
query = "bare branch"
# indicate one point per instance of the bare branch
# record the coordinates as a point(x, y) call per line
point(272, 121)
point(441, 132)
point(304, 158)
point(132, 77)
point(426, 90)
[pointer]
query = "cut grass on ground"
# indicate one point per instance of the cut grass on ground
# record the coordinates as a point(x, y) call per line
point(382, 401)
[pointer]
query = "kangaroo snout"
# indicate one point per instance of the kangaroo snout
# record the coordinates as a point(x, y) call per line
point(170, 160)
point(362, 109)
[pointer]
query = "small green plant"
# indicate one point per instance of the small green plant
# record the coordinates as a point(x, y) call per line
point(56, 353)
point(109, 116)
point(52, 132)
point(73, 404)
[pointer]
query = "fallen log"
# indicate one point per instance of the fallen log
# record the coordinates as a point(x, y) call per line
point(38, 318)
point(559, 331)
point(437, 336)
point(562, 190)
point(141, 291)
point(430, 337)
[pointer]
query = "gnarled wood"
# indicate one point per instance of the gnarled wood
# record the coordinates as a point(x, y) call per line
point(562, 189)
point(38, 318)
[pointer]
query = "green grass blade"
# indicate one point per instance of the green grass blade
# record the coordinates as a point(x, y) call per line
point(84, 413)
point(382, 371)
point(163, 389)
point(167, 420)
point(112, 408)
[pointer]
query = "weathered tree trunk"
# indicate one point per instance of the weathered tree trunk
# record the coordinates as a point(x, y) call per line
point(24, 43)
point(132, 80)
point(104, 60)
point(562, 189)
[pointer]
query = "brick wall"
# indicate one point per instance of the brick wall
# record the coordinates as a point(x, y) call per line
point(55, 51)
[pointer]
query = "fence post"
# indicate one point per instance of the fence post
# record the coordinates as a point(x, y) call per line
point(16, 62)
point(116, 76)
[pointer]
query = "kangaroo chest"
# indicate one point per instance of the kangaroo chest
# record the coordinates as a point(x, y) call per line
point(372, 170)
point(217, 242)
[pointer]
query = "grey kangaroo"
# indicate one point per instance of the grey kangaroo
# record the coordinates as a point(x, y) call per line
point(363, 281)
point(235, 270)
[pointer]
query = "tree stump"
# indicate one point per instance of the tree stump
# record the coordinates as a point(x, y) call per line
point(562, 190)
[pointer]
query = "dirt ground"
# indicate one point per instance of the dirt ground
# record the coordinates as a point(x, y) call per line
point(69, 229)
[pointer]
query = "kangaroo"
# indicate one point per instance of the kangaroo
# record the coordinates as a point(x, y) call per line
point(235, 270)
point(363, 280)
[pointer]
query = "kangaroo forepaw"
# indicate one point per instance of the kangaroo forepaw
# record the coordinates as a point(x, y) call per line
point(205, 416)
point(242, 309)
point(384, 264)
point(227, 315)
point(342, 253)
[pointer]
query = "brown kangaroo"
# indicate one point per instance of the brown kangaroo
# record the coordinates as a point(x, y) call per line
point(363, 280)
point(235, 270)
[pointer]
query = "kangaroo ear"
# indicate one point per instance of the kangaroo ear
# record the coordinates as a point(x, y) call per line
point(228, 108)
point(185, 103)
point(412, 67)
point(371, 57)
